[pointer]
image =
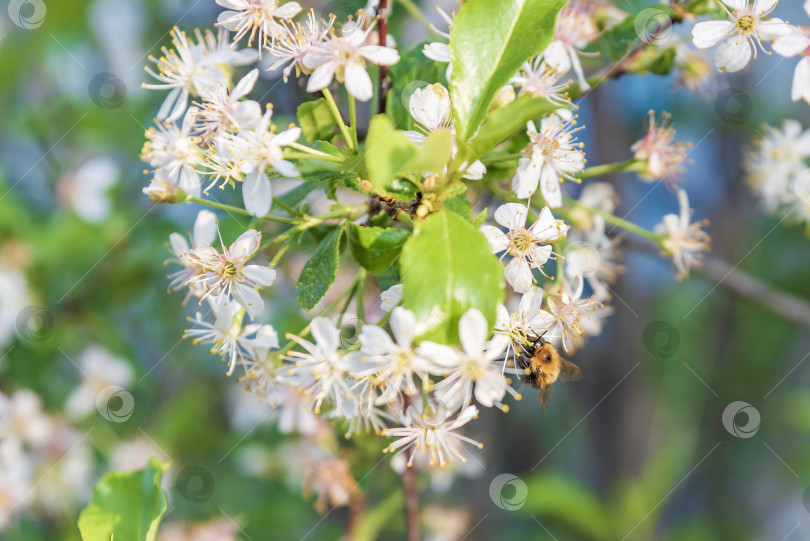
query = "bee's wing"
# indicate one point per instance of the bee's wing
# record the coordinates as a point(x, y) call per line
point(545, 395)
point(569, 371)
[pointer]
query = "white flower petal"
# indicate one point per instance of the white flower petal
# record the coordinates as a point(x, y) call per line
point(321, 77)
point(260, 275)
point(497, 239)
point(245, 245)
point(357, 82)
point(524, 183)
point(326, 334)
point(519, 274)
point(257, 193)
point(708, 33)
point(511, 215)
point(733, 54)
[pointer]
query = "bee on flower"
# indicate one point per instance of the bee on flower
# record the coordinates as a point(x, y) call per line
point(522, 326)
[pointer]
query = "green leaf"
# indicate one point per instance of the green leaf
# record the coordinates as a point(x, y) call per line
point(504, 122)
point(297, 194)
point(126, 506)
point(386, 152)
point(489, 41)
point(440, 282)
point(316, 120)
point(434, 155)
point(557, 496)
point(319, 272)
point(460, 205)
point(615, 42)
point(374, 520)
point(376, 248)
point(655, 60)
point(481, 218)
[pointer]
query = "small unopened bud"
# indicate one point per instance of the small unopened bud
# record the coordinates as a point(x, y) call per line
point(504, 96)
point(163, 191)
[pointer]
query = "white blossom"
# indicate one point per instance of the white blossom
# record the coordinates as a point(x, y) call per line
point(435, 433)
point(575, 28)
point(191, 67)
point(236, 344)
point(522, 327)
point(529, 248)
point(685, 242)
point(100, 369)
point(204, 233)
point(256, 17)
point(254, 152)
point(552, 154)
point(663, 156)
point(222, 110)
point(747, 26)
point(174, 153)
point(322, 370)
point(344, 57)
point(227, 275)
point(472, 371)
point(797, 43)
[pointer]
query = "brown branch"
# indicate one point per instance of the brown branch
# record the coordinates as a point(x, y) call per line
point(749, 287)
point(382, 14)
point(411, 489)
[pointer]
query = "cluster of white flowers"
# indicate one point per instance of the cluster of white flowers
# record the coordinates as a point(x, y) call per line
point(224, 136)
point(741, 36)
point(46, 464)
point(777, 169)
point(419, 393)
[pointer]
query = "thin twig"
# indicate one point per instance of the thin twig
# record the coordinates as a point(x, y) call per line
point(411, 489)
point(747, 286)
point(382, 13)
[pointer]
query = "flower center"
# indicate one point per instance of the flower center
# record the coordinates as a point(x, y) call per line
point(228, 269)
point(521, 242)
point(746, 23)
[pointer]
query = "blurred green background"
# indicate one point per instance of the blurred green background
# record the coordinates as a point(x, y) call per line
point(637, 450)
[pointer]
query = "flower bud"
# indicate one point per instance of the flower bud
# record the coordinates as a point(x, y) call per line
point(163, 191)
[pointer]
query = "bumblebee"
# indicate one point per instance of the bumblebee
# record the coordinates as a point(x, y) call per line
point(543, 365)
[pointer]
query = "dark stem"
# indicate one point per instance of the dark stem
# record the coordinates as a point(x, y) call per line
point(411, 490)
point(382, 14)
point(356, 506)
point(747, 286)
